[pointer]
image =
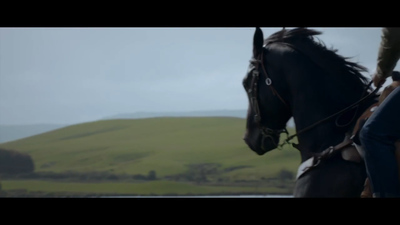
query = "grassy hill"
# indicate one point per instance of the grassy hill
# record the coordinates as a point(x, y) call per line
point(168, 146)
point(15, 132)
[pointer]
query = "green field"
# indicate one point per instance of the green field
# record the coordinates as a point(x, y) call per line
point(144, 188)
point(167, 146)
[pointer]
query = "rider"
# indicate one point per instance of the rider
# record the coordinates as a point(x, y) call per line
point(388, 89)
point(382, 129)
point(367, 193)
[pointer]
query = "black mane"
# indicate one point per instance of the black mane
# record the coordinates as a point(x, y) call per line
point(334, 63)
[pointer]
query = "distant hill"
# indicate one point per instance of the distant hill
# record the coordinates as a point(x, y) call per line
point(211, 113)
point(164, 145)
point(239, 113)
point(15, 132)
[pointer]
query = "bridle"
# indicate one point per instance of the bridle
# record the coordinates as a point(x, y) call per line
point(268, 132)
point(253, 93)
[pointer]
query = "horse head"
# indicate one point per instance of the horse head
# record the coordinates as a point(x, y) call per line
point(265, 122)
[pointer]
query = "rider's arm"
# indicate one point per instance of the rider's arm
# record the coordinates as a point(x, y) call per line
point(389, 51)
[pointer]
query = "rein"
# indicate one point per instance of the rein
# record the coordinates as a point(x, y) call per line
point(333, 115)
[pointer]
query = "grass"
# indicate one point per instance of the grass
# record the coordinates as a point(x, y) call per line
point(144, 188)
point(164, 145)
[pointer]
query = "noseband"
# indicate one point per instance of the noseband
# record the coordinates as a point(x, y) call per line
point(253, 93)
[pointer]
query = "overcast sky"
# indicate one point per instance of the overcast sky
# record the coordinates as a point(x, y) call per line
point(74, 75)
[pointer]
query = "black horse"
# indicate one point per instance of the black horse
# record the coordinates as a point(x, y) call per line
point(293, 74)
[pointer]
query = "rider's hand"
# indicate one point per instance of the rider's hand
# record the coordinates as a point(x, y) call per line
point(378, 80)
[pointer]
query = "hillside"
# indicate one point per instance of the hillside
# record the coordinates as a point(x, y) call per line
point(240, 113)
point(15, 132)
point(167, 146)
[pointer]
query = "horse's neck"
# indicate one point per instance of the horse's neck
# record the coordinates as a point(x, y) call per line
point(325, 134)
point(318, 139)
point(322, 135)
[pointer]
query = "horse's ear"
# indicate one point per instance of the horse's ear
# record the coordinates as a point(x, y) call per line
point(258, 42)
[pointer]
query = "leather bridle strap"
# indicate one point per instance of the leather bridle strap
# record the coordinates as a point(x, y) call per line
point(268, 80)
point(253, 92)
